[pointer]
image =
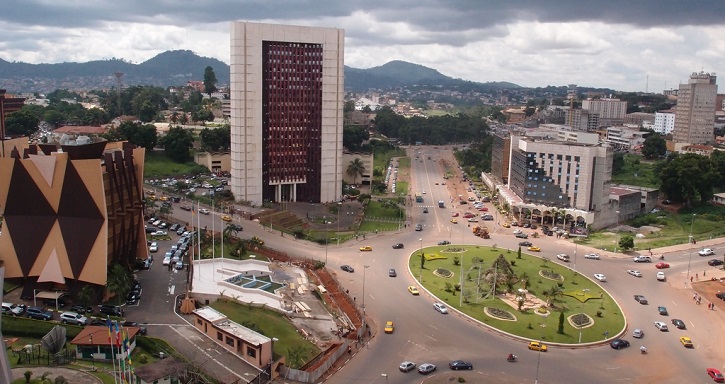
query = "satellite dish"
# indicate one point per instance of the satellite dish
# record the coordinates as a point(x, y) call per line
point(54, 341)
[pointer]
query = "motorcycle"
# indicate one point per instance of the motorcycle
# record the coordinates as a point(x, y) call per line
point(662, 257)
point(511, 358)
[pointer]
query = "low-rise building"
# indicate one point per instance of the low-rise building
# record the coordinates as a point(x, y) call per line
point(214, 161)
point(166, 371)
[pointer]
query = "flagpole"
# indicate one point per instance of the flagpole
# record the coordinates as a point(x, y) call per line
point(213, 236)
point(198, 235)
point(110, 344)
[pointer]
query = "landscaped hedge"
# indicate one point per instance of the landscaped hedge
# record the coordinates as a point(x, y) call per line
point(24, 327)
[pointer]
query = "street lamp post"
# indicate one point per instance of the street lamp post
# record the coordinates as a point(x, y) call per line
point(616, 242)
point(420, 277)
point(538, 360)
point(363, 300)
point(327, 237)
point(689, 259)
point(339, 208)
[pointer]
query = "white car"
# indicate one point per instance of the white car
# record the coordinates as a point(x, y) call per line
point(638, 333)
point(661, 326)
point(153, 247)
point(440, 308)
point(661, 276)
point(600, 277)
point(562, 257)
point(706, 252)
point(167, 261)
point(204, 211)
point(159, 233)
point(593, 256)
point(517, 231)
point(634, 272)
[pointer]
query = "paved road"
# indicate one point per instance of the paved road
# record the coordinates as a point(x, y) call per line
point(424, 335)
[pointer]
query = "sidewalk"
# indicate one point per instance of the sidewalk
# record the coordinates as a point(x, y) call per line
point(656, 252)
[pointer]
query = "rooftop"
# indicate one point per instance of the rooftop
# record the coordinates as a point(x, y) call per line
point(222, 322)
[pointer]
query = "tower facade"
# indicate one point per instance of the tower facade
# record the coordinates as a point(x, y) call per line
point(287, 88)
point(695, 113)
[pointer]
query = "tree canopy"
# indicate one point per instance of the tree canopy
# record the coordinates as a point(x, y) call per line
point(353, 137)
point(683, 178)
point(142, 135)
point(433, 130)
point(21, 123)
point(177, 143)
point(217, 139)
point(654, 147)
point(209, 80)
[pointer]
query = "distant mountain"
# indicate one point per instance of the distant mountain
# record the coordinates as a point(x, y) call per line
point(173, 68)
point(401, 73)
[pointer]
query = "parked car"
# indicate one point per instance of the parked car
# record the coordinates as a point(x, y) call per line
point(111, 310)
point(38, 313)
point(81, 309)
point(73, 318)
point(12, 309)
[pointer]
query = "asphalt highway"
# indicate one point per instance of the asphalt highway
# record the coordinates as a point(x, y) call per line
point(424, 335)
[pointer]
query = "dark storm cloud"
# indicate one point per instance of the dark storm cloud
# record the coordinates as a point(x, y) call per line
point(428, 15)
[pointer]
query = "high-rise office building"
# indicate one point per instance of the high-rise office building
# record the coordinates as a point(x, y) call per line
point(287, 88)
point(695, 113)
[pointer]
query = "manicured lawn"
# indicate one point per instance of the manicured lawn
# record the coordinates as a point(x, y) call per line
point(271, 324)
point(528, 323)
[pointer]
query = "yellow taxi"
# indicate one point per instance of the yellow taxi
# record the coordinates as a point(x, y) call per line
point(226, 218)
point(366, 248)
point(413, 290)
point(389, 327)
point(506, 225)
point(534, 248)
point(536, 346)
point(687, 342)
point(454, 221)
point(164, 198)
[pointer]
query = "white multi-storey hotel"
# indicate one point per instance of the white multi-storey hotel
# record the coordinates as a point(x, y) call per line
point(287, 88)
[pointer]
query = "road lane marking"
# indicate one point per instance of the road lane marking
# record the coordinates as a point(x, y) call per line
point(432, 326)
point(172, 288)
point(431, 337)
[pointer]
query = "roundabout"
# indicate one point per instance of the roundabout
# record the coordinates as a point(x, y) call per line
point(518, 294)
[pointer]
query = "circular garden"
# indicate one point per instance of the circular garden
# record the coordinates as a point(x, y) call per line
point(518, 293)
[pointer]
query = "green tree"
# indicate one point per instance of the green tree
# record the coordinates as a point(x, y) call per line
point(21, 123)
point(177, 143)
point(95, 117)
point(355, 168)
point(209, 80)
point(560, 330)
point(230, 230)
point(118, 281)
point(54, 117)
point(142, 135)
point(654, 147)
point(617, 162)
point(353, 137)
point(86, 295)
point(684, 178)
point(626, 243)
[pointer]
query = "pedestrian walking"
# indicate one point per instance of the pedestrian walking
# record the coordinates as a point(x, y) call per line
point(697, 276)
point(691, 279)
point(703, 273)
point(699, 299)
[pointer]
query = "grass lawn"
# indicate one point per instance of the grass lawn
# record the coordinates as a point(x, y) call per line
point(528, 324)
point(158, 165)
point(382, 159)
point(637, 171)
point(271, 324)
point(673, 229)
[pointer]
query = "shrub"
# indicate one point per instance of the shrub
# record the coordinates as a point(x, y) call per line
point(449, 287)
point(319, 264)
point(143, 359)
point(457, 286)
point(599, 313)
point(461, 380)
point(28, 375)
point(456, 260)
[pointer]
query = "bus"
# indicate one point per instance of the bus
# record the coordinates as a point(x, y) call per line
point(418, 197)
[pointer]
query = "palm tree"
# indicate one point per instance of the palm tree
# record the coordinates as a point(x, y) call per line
point(86, 295)
point(230, 230)
point(118, 281)
point(355, 168)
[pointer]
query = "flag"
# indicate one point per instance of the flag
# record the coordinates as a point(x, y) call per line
point(110, 328)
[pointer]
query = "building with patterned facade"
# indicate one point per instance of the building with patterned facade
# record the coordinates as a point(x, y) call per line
point(611, 111)
point(287, 89)
point(582, 120)
point(695, 113)
point(664, 121)
point(70, 212)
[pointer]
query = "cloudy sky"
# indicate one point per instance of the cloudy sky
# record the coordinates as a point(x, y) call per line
point(613, 43)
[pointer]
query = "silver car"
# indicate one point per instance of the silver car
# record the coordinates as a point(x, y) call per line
point(440, 308)
point(638, 333)
point(407, 366)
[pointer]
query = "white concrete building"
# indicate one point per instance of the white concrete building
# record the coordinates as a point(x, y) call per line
point(287, 88)
point(695, 116)
point(664, 122)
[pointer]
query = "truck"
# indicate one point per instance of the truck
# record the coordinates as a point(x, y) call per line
point(418, 197)
point(441, 204)
point(481, 231)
